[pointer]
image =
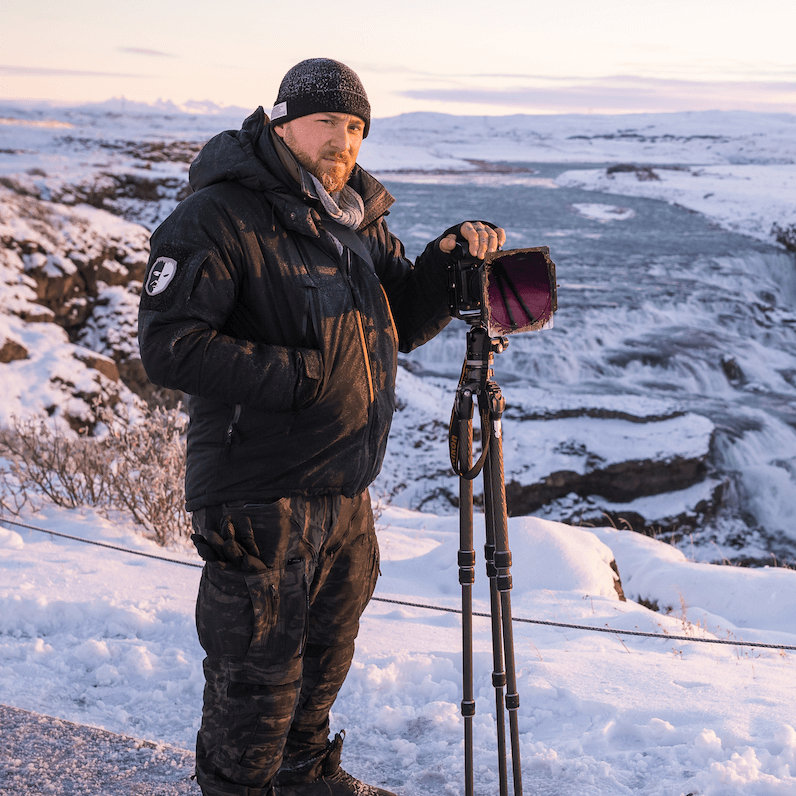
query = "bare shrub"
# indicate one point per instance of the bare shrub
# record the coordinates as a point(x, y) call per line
point(44, 459)
point(135, 466)
point(148, 470)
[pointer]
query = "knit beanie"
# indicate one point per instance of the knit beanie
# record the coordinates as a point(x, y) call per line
point(321, 85)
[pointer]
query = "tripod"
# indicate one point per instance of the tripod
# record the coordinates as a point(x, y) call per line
point(477, 380)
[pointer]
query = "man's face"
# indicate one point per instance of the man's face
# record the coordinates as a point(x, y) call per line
point(326, 144)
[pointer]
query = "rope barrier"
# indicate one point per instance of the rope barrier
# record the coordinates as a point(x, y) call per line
point(615, 631)
point(601, 629)
point(101, 544)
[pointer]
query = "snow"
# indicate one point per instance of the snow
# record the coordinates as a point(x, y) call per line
point(602, 212)
point(743, 198)
point(711, 161)
point(101, 637)
point(106, 638)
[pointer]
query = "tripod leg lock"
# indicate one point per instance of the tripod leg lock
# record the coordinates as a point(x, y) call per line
point(504, 582)
point(498, 679)
point(512, 701)
point(468, 708)
point(489, 555)
point(466, 567)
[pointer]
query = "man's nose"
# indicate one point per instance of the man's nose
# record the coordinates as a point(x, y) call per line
point(341, 138)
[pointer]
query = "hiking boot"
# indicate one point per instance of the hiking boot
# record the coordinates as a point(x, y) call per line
point(322, 776)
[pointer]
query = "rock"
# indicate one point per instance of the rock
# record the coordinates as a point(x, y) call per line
point(72, 268)
point(643, 173)
point(617, 483)
point(99, 362)
point(602, 452)
point(11, 351)
point(670, 515)
point(643, 463)
point(134, 376)
point(786, 236)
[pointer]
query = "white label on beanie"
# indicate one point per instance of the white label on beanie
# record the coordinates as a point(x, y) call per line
point(279, 110)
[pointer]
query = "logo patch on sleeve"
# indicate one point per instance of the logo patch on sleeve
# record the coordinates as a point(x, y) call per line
point(163, 271)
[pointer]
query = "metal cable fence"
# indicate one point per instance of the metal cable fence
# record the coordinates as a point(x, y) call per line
point(614, 631)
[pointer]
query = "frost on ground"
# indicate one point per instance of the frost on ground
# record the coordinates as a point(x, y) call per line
point(106, 639)
point(39, 754)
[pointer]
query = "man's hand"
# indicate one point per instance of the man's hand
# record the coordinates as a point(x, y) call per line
point(482, 239)
point(232, 548)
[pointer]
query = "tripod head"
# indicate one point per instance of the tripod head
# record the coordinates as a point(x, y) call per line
point(476, 380)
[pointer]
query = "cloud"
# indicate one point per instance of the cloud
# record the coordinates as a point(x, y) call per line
point(37, 71)
point(620, 93)
point(144, 51)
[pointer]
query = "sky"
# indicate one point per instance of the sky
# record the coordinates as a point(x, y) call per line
point(463, 57)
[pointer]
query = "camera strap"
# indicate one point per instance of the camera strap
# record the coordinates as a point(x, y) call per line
point(349, 238)
point(455, 449)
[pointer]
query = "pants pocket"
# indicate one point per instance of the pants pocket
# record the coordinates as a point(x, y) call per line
point(249, 741)
point(278, 639)
point(259, 620)
point(225, 615)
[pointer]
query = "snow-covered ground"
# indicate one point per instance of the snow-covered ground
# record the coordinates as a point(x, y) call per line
point(106, 638)
point(735, 167)
point(102, 637)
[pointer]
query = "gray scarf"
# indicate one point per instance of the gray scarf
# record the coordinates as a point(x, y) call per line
point(346, 207)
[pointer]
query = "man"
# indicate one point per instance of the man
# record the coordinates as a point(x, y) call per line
point(277, 299)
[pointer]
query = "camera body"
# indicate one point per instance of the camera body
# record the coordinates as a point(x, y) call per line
point(507, 292)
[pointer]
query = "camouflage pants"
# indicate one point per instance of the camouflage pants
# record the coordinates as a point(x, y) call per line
point(279, 643)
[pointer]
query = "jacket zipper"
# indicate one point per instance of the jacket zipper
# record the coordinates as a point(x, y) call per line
point(365, 474)
point(232, 423)
point(365, 354)
point(389, 312)
point(360, 328)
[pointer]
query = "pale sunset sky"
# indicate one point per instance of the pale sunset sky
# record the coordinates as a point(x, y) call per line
point(486, 58)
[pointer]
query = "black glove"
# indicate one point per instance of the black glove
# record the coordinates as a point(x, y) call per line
point(233, 548)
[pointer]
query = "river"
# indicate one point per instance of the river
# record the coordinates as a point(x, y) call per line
point(654, 301)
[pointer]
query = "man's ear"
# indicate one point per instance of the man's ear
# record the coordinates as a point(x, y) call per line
point(279, 129)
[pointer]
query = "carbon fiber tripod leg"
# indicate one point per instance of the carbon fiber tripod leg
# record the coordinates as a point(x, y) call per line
point(466, 578)
point(496, 515)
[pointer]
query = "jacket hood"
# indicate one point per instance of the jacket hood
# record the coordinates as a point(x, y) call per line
point(248, 156)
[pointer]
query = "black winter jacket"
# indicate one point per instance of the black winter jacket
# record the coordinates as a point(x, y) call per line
point(287, 349)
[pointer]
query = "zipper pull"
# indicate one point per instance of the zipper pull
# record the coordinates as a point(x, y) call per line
point(233, 423)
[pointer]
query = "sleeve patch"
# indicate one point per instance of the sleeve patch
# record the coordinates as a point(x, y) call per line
point(163, 270)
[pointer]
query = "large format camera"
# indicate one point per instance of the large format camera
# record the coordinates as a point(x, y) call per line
point(506, 292)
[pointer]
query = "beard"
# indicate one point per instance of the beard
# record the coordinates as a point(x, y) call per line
point(332, 175)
